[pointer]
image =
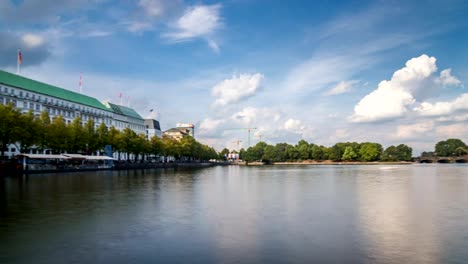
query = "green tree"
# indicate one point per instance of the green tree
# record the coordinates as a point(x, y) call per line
point(77, 138)
point(316, 152)
point(115, 140)
point(223, 154)
point(10, 126)
point(292, 153)
point(90, 137)
point(349, 154)
point(302, 148)
point(405, 153)
point(58, 135)
point(43, 130)
point(28, 131)
point(156, 146)
point(102, 134)
point(461, 151)
point(448, 148)
point(370, 151)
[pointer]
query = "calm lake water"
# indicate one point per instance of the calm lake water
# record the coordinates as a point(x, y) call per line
point(266, 214)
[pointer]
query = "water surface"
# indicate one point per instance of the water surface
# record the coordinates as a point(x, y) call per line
point(265, 214)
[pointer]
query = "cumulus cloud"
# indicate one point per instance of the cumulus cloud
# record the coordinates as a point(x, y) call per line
point(443, 108)
point(342, 87)
point(414, 130)
point(446, 78)
point(237, 88)
point(293, 125)
point(393, 98)
point(200, 21)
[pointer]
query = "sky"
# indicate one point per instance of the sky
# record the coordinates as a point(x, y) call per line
point(392, 72)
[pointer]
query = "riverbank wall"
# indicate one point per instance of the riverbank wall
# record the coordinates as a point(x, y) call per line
point(14, 169)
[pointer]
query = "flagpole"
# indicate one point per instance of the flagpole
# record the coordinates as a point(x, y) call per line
point(18, 56)
point(81, 83)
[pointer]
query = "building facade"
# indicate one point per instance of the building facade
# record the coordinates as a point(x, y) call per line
point(27, 94)
point(152, 128)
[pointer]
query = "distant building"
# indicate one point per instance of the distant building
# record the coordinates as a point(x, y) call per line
point(188, 127)
point(177, 133)
point(152, 128)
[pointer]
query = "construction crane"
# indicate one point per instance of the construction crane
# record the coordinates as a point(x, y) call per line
point(237, 142)
point(244, 128)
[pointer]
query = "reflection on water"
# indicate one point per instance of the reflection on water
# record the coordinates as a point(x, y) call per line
point(266, 214)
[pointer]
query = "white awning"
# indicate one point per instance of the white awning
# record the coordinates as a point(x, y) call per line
point(43, 156)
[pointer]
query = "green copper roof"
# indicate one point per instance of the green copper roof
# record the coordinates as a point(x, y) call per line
point(122, 110)
point(46, 89)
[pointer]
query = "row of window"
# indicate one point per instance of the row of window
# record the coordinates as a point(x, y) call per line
point(57, 102)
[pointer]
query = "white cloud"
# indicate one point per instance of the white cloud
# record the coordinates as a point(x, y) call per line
point(446, 78)
point(197, 21)
point(321, 71)
point(392, 98)
point(384, 103)
point(444, 108)
point(32, 40)
point(413, 130)
point(293, 125)
point(237, 88)
point(342, 87)
point(453, 131)
point(157, 8)
point(138, 26)
point(210, 127)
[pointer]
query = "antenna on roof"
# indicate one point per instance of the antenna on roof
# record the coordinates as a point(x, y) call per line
point(81, 83)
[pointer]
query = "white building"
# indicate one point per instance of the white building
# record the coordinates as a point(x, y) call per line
point(27, 94)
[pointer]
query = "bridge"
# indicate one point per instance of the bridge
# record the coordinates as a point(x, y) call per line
point(459, 159)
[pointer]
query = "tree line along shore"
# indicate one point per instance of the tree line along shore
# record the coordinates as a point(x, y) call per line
point(351, 152)
point(28, 131)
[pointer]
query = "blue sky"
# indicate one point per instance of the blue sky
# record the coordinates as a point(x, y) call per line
point(324, 71)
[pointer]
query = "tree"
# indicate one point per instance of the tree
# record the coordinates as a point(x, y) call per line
point(461, 151)
point(27, 131)
point(9, 126)
point(77, 138)
point(43, 130)
point(302, 149)
point(58, 135)
point(90, 136)
point(102, 134)
point(156, 146)
point(404, 152)
point(448, 148)
point(114, 140)
point(292, 153)
point(316, 152)
point(349, 154)
point(370, 151)
point(223, 154)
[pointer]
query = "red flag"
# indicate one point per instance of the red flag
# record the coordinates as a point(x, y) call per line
point(20, 57)
point(120, 95)
point(81, 80)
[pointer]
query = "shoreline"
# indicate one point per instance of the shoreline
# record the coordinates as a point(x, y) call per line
point(329, 162)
